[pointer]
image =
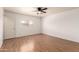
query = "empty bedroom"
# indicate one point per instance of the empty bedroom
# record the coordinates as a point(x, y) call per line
point(39, 29)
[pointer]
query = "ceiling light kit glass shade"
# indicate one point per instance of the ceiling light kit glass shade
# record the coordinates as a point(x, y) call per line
point(39, 12)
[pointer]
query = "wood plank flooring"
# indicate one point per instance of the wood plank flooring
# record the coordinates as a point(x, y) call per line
point(39, 43)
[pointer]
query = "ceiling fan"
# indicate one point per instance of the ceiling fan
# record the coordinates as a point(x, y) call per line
point(41, 10)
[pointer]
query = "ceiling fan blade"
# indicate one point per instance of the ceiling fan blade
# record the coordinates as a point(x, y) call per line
point(44, 9)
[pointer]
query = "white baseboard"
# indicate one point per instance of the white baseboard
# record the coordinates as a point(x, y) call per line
point(63, 37)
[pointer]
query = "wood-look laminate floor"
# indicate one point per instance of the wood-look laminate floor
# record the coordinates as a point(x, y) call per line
point(39, 43)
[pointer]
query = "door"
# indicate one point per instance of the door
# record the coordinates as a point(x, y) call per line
point(9, 28)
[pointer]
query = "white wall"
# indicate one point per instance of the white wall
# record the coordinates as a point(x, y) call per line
point(64, 25)
point(1, 26)
point(24, 30)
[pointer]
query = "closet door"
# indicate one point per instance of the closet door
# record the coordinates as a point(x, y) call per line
point(9, 28)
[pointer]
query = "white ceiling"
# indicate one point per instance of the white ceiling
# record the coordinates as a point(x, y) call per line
point(31, 10)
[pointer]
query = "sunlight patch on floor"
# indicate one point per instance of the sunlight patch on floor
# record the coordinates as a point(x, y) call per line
point(29, 46)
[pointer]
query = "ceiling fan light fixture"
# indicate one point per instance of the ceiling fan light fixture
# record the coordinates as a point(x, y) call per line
point(39, 12)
